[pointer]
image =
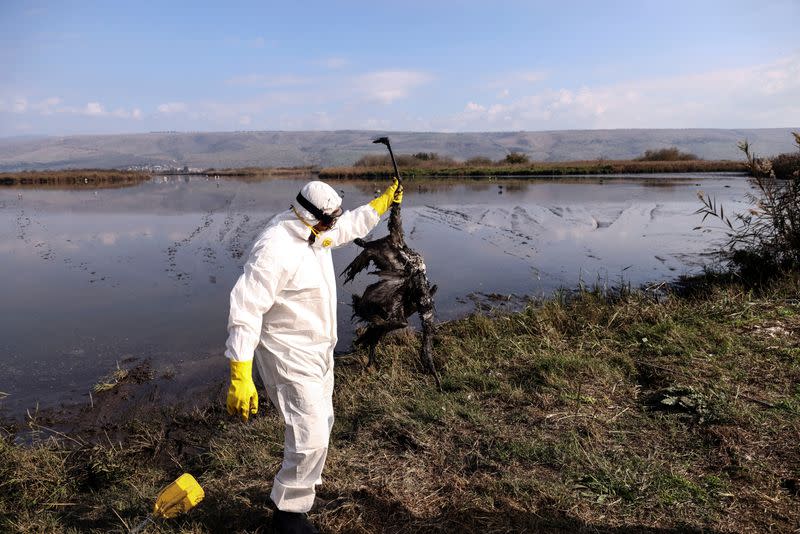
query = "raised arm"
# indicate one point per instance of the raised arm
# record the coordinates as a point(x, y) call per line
point(358, 222)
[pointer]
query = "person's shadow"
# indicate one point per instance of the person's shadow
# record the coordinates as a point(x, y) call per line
point(393, 517)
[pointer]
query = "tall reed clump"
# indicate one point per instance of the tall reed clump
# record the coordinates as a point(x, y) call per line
point(420, 159)
point(667, 154)
point(516, 158)
point(766, 239)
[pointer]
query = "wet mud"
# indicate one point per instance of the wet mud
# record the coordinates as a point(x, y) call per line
point(145, 395)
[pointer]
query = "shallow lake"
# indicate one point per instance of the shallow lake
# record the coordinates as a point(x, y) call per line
point(99, 277)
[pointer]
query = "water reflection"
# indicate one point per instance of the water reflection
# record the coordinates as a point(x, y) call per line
point(94, 277)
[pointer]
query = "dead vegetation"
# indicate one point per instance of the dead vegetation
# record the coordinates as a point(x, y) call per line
point(667, 154)
point(518, 166)
point(73, 179)
point(581, 414)
point(765, 239)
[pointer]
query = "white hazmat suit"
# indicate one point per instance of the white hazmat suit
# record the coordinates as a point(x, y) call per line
point(283, 309)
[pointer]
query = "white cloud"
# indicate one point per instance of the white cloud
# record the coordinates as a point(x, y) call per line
point(751, 96)
point(14, 104)
point(48, 106)
point(376, 124)
point(287, 100)
point(121, 113)
point(172, 107)
point(94, 109)
point(390, 85)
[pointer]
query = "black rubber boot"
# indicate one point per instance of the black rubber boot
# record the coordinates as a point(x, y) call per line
point(292, 523)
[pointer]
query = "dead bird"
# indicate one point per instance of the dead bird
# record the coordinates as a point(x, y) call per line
point(403, 288)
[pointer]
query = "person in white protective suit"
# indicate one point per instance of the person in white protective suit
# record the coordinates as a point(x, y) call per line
point(283, 312)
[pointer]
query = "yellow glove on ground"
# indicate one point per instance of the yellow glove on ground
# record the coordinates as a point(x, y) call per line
point(393, 194)
point(242, 395)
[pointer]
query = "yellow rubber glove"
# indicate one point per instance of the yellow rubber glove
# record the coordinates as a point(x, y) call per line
point(242, 395)
point(393, 194)
point(179, 497)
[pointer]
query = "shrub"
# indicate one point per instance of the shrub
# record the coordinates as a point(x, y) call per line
point(404, 160)
point(372, 161)
point(433, 159)
point(478, 161)
point(666, 154)
point(420, 159)
point(765, 239)
point(516, 158)
point(785, 164)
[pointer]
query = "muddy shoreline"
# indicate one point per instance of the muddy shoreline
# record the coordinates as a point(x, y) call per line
point(142, 395)
point(136, 390)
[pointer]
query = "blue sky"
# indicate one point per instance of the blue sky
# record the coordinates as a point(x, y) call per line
point(118, 67)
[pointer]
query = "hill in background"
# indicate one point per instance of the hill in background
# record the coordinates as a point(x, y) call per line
point(289, 149)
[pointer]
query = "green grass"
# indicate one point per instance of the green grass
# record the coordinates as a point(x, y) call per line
point(550, 418)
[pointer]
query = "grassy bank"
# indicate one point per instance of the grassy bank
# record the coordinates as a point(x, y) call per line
point(587, 414)
point(77, 178)
point(565, 168)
